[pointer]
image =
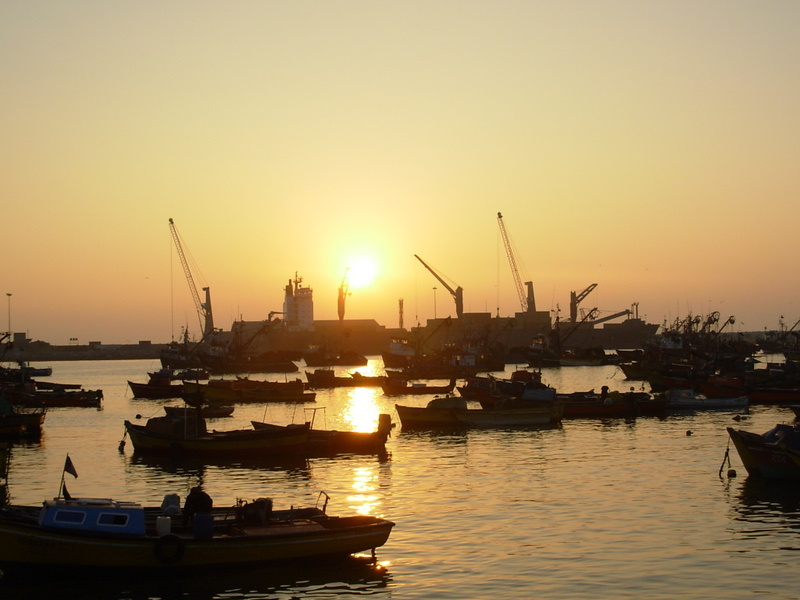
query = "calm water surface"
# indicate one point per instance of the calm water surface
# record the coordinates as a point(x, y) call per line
point(592, 509)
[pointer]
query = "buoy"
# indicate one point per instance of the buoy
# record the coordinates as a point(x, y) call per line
point(138, 416)
point(737, 418)
point(688, 432)
point(731, 472)
point(122, 445)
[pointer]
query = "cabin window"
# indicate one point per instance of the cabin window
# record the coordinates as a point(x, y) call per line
point(112, 519)
point(72, 517)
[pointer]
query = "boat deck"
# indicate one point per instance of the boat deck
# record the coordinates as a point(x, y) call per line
point(278, 528)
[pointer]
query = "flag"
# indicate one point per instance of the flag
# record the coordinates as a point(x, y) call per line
point(65, 492)
point(69, 467)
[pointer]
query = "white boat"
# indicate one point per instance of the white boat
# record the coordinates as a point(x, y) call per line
point(680, 398)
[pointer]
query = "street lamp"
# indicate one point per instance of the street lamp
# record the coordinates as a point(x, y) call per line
point(9, 313)
point(434, 302)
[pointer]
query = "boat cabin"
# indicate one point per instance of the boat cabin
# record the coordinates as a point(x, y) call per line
point(789, 435)
point(184, 426)
point(93, 515)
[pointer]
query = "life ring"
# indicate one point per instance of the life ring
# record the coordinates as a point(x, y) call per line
point(170, 548)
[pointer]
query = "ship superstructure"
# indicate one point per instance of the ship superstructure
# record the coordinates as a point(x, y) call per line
point(298, 306)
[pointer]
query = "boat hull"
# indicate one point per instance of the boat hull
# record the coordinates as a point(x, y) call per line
point(765, 459)
point(327, 442)
point(23, 546)
point(546, 413)
point(245, 442)
point(155, 392)
point(399, 387)
point(56, 398)
point(617, 410)
point(739, 403)
point(208, 411)
point(325, 378)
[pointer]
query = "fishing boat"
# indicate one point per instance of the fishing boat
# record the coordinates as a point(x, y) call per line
point(155, 391)
point(688, 399)
point(490, 388)
point(188, 435)
point(326, 378)
point(401, 387)
point(772, 455)
point(433, 371)
point(23, 372)
point(25, 396)
point(165, 383)
point(453, 412)
point(165, 374)
point(611, 405)
point(209, 411)
point(86, 534)
point(327, 442)
point(16, 421)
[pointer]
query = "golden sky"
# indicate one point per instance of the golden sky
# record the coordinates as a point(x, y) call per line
point(649, 147)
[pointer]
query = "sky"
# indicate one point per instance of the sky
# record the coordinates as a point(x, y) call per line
point(649, 147)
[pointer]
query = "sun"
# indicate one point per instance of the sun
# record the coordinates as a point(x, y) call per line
point(361, 272)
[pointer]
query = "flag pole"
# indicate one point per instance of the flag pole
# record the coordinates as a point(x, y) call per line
point(61, 487)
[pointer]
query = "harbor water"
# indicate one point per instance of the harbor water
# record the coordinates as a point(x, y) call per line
point(591, 509)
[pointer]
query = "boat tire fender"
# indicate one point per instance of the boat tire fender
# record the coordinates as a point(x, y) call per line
point(169, 548)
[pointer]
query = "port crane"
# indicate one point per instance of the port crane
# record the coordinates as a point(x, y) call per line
point(575, 299)
point(527, 302)
point(203, 308)
point(343, 293)
point(458, 293)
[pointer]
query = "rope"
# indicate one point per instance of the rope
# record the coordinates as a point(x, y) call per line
point(725, 458)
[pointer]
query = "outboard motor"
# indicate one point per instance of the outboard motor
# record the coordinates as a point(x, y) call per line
point(257, 512)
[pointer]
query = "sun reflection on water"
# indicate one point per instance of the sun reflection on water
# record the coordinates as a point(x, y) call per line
point(361, 411)
point(373, 368)
point(364, 500)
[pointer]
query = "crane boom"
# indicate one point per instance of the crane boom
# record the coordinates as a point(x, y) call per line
point(203, 308)
point(575, 299)
point(526, 301)
point(458, 293)
point(622, 313)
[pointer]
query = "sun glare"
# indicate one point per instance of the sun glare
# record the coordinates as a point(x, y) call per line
point(361, 272)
